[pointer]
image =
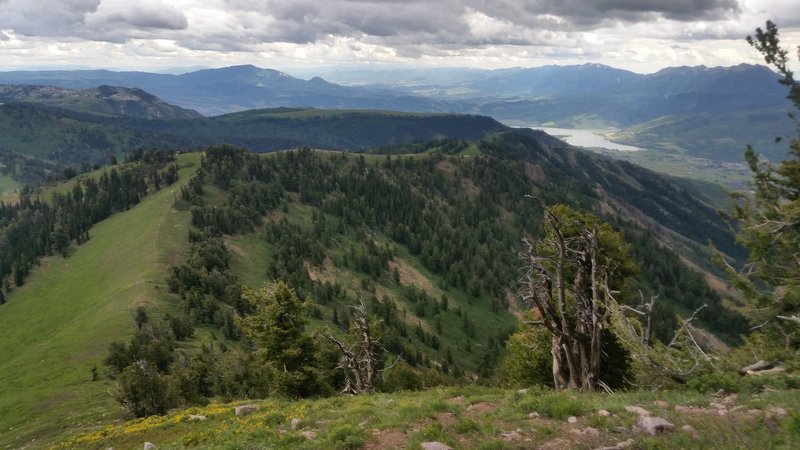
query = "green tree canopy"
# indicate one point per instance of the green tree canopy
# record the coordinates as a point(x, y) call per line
point(769, 217)
point(277, 328)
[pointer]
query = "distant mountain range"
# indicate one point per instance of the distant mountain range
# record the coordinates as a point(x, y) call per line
point(233, 89)
point(667, 110)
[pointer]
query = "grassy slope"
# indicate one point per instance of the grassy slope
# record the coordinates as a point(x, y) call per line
point(59, 324)
point(467, 417)
point(7, 187)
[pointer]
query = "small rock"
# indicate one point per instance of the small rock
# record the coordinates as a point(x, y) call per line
point(619, 430)
point(310, 435)
point(589, 431)
point(576, 432)
point(363, 424)
point(510, 436)
point(637, 410)
point(655, 425)
point(295, 424)
point(572, 419)
point(533, 415)
point(522, 391)
point(245, 410)
point(682, 409)
point(457, 400)
point(753, 412)
point(661, 404)
point(717, 406)
point(196, 417)
point(435, 446)
point(619, 446)
point(603, 413)
point(688, 428)
point(722, 412)
point(729, 400)
point(779, 412)
point(738, 408)
point(149, 446)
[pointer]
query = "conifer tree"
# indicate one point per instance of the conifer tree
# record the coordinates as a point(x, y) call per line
point(769, 218)
point(277, 327)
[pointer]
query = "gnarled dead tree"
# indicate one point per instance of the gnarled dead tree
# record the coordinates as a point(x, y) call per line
point(360, 359)
point(569, 280)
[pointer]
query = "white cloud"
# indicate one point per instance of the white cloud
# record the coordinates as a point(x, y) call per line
point(643, 35)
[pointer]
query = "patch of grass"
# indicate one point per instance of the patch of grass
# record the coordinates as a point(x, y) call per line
point(8, 188)
point(495, 444)
point(345, 437)
point(601, 422)
point(466, 426)
point(546, 431)
point(556, 405)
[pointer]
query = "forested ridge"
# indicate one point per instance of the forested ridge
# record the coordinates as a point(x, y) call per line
point(339, 227)
point(427, 240)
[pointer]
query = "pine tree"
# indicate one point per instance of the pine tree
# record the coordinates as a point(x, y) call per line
point(769, 219)
point(277, 327)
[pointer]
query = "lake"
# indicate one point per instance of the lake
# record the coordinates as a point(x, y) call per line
point(586, 138)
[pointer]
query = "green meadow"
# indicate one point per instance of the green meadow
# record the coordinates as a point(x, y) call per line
point(57, 326)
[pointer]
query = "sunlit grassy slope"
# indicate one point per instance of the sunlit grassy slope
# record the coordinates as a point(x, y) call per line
point(57, 326)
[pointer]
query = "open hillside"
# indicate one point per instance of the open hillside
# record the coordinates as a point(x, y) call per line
point(58, 325)
point(427, 236)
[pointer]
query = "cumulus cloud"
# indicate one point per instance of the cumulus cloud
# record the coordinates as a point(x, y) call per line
point(389, 22)
point(512, 31)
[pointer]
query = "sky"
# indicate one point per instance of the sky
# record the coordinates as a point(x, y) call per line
point(166, 35)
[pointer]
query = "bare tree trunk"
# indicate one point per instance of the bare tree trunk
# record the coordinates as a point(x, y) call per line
point(575, 319)
point(559, 382)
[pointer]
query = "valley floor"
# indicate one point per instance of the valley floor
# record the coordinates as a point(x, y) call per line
point(470, 417)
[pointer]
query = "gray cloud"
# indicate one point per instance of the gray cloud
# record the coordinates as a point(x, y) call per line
point(384, 30)
point(147, 15)
point(45, 18)
point(386, 22)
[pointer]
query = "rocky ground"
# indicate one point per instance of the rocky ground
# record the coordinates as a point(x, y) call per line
point(471, 417)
